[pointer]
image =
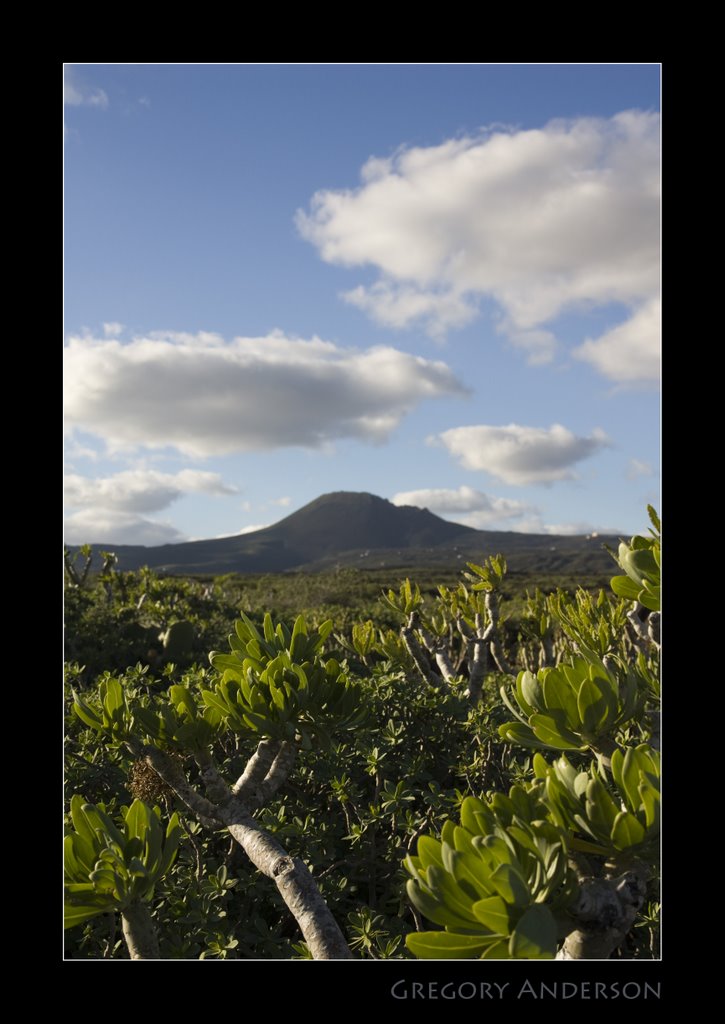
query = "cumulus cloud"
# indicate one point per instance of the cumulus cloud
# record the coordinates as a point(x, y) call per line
point(483, 512)
point(77, 93)
point(630, 352)
point(539, 220)
point(140, 490)
point(110, 526)
point(205, 396)
point(113, 509)
point(468, 506)
point(521, 455)
point(400, 305)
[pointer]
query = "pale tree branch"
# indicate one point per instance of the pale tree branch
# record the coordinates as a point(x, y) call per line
point(292, 878)
point(491, 634)
point(277, 774)
point(139, 932)
point(256, 770)
point(416, 651)
point(294, 882)
point(604, 911)
point(439, 652)
point(216, 788)
point(477, 668)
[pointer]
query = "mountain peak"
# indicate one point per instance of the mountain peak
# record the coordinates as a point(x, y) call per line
point(362, 529)
point(348, 520)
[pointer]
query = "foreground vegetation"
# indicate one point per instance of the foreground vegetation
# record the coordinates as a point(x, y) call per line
point(456, 770)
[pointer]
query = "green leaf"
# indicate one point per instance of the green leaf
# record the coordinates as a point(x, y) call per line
point(213, 700)
point(549, 731)
point(530, 692)
point(514, 710)
point(630, 778)
point(508, 882)
point(171, 845)
point(624, 587)
point(494, 913)
point(601, 809)
point(514, 732)
point(447, 945)
point(137, 820)
point(498, 951)
point(650, 798)
point(627, 831)
point(474, 872)
point(499, 848)
point(87, 715)
point(227, 663)
point(559, 694)
point(84, 822)
point(430, 851)
point(113, 700)
point(476, 817)
point(534, 937)
point(457, 901)
point(154, 839)
point(181, 698)
point(593, 708)
point(73, 915)
point(433, 908)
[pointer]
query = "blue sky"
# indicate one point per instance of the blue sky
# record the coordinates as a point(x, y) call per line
point(436, 283)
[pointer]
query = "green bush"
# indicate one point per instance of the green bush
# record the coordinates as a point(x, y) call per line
point(449, 785)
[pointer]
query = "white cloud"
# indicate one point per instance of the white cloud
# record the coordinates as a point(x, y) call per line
point(401, 305)
point(140, 490)
point(539, 220)
point(484, 512)
point(77, 93)
point(578, 529)
point(111, 526)
point(112, 329)
point(204, 396)
point(638, 468)
point(284, 502)
point(521, 455)
point(113, 509)
point(249, 529)
point(630, 352)
point(468, 506)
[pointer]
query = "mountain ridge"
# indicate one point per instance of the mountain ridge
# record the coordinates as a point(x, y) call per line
point(359, 528)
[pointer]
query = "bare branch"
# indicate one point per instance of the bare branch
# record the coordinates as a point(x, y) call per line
point(416, 651)
point(491, 634)
point(604, 912)
point(256, 770)
point(294, 882)
point(477, 667)
point(139, 932)
point(277, 774)
point(439, 652)
point(215, 786)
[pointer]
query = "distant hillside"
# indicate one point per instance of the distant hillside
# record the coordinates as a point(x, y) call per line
point(349, 528)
